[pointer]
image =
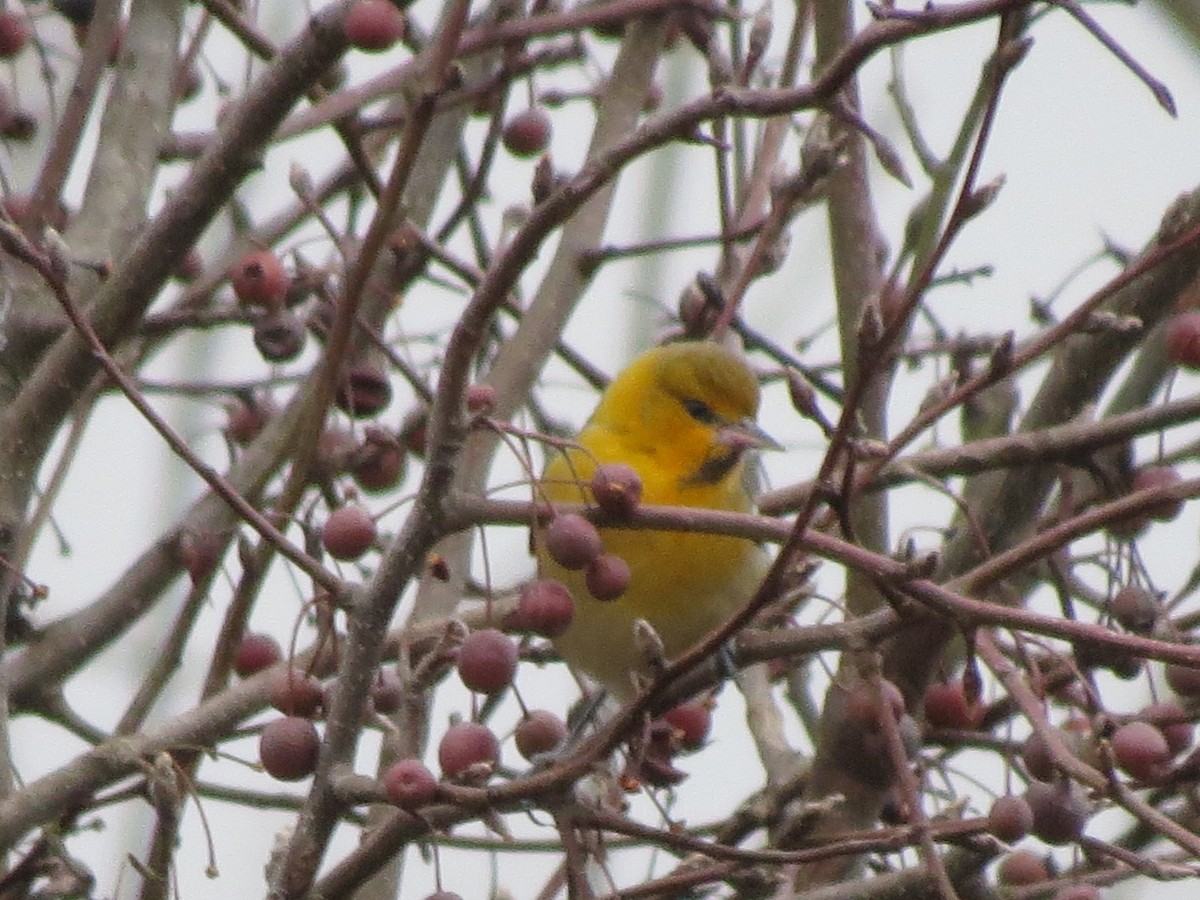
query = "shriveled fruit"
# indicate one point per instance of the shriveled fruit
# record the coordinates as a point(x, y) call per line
point(487, 661)
point(348, 533)
point(410, 784)
point(364, 391)
point(466, 745)
point(288, 748)
point(1060, 811)
point(387, 691)
point(572, 541)
point(378, 463)
point(279, 336)
point(691, 723)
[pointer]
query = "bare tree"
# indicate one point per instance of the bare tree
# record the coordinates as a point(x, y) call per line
point(370, 207)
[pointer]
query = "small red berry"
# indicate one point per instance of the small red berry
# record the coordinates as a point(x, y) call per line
point(607, 577)
point(545, 608)
point(374, 25)
point(410, 784)
point(527, 133)
point(297, 694)
point(256, 652)
point(14, 34)
point(387, 691)
point(288, 748)
point(258, 279)
point(1183, 339)
point(1141, 750)
point(487, 661)
point(617, 489)
point(1173, 721)
point(378, 463)
point(539, 732)
point(349, 532)
point(691, 722)
point(465, 745)
point(946, 706)
point(1010, 818)
point(572, 541)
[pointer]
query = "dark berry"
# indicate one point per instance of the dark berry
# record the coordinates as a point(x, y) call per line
point(349, 532)
point(1184, 680)
point(1171, 719)
point(1060, 811)
point(279, 336)
point(246, 418)
point(487, 661)
point(1135, 609)
point(387, 691)
point(363, 391)
point(288, 748)
point(527, 133)
point(378, 463)
point(78, 12)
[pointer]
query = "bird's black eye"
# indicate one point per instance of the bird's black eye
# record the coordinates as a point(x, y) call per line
point(700, 411)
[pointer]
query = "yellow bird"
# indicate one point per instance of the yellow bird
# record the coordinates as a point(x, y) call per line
point(683, 417)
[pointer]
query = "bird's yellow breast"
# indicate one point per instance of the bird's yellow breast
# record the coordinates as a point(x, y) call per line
point(684, 584)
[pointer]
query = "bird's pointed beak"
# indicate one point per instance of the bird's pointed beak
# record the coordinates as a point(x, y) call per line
point(746, 435)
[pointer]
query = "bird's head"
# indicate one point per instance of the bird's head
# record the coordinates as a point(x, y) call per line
point(692, 404)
